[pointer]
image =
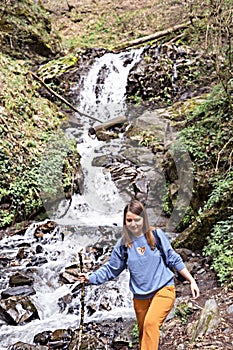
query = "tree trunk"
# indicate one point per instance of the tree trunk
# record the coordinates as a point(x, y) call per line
point(154, 36)
point(110, 123)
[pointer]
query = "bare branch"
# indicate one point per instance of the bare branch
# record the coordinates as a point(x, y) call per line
point(220, 152)
point(62, 98)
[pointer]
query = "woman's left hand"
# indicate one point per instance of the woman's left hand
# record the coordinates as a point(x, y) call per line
point(193, 285)
point(194, 289)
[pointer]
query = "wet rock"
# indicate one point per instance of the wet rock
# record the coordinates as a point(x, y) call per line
point(91, 308)
point(18, 291)
point(37, 261)
point(103, 160)
point(105, 304)
point(59, 339)
point(64, 301)
point(67, 278)
point(22, 253)
point(47, 227)
point(141, 188)
point(230, 309)
point(4, 260)
point(161, 75)
point(73, 270)
point(24, 346)
point(120, 344)
point(18, 310)
point(42, 338)
point(106, 135)
point(20, 279)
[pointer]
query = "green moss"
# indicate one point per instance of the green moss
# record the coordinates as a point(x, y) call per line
point(26, 30)
point(28, 122)
point(56, 67)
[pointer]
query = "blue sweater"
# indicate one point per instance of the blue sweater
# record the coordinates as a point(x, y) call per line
point(148, 272)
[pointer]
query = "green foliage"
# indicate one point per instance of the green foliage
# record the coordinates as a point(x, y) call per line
point(208, 134)
point(57, 168)
point(54, 68)
point(148, 139)
point(167, 202)
point(187, 219)
point(136, 333)
point(213, 31)
point(183, 312)
point(219, 249)
point(28, 123)
point(222, 186)
point(26, 30)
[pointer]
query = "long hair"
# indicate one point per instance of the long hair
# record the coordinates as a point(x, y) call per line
point(137, 208)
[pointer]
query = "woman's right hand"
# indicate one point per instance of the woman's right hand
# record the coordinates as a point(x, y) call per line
point(83, 278)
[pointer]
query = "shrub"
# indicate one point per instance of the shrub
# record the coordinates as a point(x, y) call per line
point(219, 248)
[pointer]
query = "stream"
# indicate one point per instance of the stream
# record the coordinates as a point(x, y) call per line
point(93, 215)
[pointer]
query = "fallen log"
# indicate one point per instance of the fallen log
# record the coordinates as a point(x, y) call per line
point(153, 36)
point(110, 123)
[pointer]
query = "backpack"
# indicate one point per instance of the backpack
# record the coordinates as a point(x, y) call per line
point(178, 275)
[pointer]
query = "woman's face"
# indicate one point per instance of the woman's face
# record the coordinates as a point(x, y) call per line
point(134, 223)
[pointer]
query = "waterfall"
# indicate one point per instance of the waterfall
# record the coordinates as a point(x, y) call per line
point(103, 94)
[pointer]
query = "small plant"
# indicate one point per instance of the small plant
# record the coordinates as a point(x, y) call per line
point(148, 139)
point(221, 187)
point(135, 333)
point(167, 202)
point(183, 312)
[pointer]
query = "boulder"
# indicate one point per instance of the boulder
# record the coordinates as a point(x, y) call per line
point(208, 320)
point(18, 310)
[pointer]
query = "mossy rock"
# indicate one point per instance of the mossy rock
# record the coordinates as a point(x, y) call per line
point(26, 30)
point(195, 236)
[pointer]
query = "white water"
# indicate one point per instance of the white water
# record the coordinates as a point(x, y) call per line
point(109, 100)
point(99, 205)
point(60, 254)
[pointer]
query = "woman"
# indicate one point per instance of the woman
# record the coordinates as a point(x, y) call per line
point(151, 280)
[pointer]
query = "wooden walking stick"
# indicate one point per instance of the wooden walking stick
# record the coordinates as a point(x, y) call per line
point(82, 302)
point(76, 341)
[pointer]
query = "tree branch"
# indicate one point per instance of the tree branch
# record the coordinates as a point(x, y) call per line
point(220, 152)
point(62, 98)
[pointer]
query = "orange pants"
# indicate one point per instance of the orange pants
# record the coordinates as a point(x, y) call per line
point(151, 314)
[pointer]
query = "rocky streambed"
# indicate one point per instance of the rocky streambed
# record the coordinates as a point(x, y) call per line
point(109, 321)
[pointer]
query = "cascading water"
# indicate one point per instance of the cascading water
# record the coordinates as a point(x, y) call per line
point(102, 96)
point(99, 205)
point(103, 93)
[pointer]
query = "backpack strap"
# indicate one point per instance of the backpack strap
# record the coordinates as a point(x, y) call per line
point(125, 255)
point(124, 252)
point(178, 276)
point(159, 247)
